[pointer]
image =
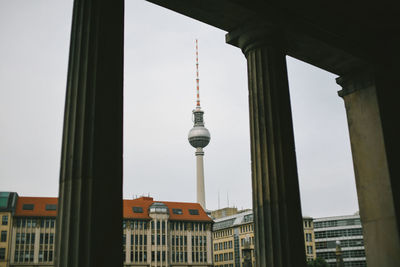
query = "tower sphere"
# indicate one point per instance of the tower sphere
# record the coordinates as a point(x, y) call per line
point(199, 136)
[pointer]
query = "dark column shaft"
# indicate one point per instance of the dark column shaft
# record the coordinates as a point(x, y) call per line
point(89, 222)
point(276, 199)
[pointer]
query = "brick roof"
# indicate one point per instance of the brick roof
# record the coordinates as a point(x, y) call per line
point(39, 208)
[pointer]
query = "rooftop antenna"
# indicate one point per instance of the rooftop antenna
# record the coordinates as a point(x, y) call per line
point(218, 200)
point(197, 76)
point(227, 198)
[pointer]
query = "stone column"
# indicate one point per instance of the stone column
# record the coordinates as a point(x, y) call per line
point(373, 181)
point(276, 199)
point(90, 190)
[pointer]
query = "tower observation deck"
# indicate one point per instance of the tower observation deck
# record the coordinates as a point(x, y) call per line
point(199, 137)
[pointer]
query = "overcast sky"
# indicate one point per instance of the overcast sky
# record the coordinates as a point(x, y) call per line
point(159, 97)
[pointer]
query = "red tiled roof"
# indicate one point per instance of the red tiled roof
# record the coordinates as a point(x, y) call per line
point(39, 209)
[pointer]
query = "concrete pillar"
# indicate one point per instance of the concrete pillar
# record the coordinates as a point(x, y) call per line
point(90, 190)
point(276, 199)
point(373, 179)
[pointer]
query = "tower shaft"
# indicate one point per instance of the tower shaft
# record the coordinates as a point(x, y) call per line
point(201, 198)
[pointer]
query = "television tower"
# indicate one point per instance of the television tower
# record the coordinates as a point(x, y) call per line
point(199, 137)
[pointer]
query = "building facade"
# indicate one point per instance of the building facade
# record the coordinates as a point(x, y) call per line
point(154, 233)
point(347, 230)
point(8, 201)
point(309, 238)
point(234, 234)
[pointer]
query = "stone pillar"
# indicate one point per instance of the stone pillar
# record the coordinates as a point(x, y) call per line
point(276, 200)
point(90, 190)
point(373, 181)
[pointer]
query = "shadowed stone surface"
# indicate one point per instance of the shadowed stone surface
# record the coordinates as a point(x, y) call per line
point(90, 192)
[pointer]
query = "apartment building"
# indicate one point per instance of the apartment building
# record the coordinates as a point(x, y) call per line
point(155, 233)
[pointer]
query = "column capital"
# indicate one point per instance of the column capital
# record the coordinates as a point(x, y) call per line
point(254, 35)
point(354, 81)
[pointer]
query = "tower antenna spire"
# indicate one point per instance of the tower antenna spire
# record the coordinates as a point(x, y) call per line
point(197, 76)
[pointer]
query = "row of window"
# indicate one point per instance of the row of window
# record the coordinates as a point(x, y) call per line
point(335, 223)
point(223, 233)
point(223, 245)
point(32, 222)
point(32, 206)
point(179, 240)
point(224, 265)
point(307, 223)
point(135, 224)
point(29, 238)
point(250, 240)
point(27, 256)
point(350, 264)
point(345, 254)
point(343, 243)
point(338, 233)
point(247, 228)
point(223, 257)
point(139, 240)
point(140, 256)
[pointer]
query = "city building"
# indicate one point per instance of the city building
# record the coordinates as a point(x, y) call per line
point(347, 230)
point(233, 234)
point(309, 238)
point(8, 201)
point(155, 233)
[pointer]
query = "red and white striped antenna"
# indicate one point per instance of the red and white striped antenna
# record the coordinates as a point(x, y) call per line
point(197, 76)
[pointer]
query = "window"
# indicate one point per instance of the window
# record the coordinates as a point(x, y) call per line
point(2, 253)
point(308, 237)
point(177, 211)
point(193, 212)
point(51, 207)
point(4, 220)
point(137, 209)
point(3, 236)
point(28, 206)
point(309, 250)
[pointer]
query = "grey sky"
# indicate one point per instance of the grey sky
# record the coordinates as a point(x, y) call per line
point(159, 97)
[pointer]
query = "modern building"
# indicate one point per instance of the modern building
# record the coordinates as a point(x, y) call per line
point(347, 230)
point(154, 233)
point(233, 234)
point(8, 201)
